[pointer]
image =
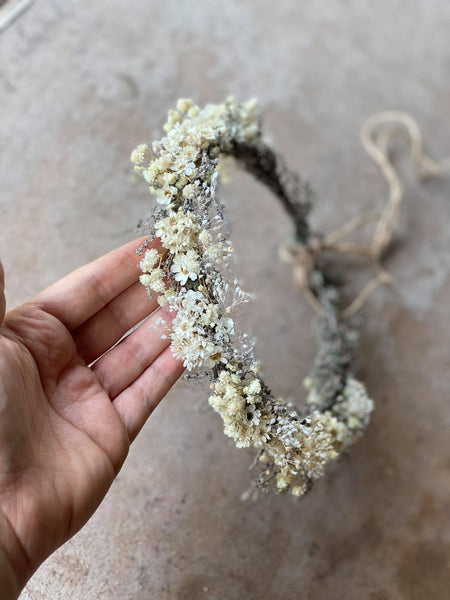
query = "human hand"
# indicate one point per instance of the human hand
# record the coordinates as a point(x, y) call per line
point(66, 427)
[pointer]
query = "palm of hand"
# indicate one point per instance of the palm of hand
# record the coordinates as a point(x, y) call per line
point(65, 427)
point(61, 440)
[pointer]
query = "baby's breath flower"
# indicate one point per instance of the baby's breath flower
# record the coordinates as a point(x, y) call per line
point(178, 231)
point(167, 296)
point(151, 257)
point(224, 326)
point(140, 155)
point(253, 388)
point(145, 280)
point(184, 104)
point(160, 322)
point(210, 315)
point(154, 280)
point(190, 191)
point(205, 237)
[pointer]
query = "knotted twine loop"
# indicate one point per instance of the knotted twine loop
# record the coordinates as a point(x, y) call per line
point(303, 258)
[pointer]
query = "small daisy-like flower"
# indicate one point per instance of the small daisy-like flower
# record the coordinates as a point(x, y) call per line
point(253, 415)
point(195, 301)
point(184, 325)
point(165, 195)
point(196, 351)
point(185, 266)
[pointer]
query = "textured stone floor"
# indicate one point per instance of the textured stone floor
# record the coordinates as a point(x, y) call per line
point(80, 85)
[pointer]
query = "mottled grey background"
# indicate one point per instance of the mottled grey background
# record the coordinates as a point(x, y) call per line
point(81, 84)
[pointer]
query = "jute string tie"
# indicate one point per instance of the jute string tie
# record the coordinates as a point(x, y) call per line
point(375, 140)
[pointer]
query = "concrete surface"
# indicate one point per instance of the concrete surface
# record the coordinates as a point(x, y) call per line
point(80, 85)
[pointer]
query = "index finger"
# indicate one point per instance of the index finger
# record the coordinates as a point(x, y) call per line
point(84, 292)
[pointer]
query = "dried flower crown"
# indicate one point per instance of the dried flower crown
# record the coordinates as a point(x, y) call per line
point(294, 445)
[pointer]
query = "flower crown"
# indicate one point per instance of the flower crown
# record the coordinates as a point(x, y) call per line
point(190, 276)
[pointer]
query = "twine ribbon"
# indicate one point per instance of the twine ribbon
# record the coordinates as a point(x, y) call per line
point(303, 258)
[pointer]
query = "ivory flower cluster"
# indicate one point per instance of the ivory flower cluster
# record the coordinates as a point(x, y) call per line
point(183, 176)
point(188, 275)
point(297, 449)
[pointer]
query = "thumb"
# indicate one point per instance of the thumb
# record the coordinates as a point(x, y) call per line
point(2, 294)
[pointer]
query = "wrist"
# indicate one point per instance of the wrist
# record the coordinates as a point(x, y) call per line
point(9, 583)
point(14, 566)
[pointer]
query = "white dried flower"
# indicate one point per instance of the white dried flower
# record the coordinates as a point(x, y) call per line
point(140, 155)
point(178, 231)
point(253, 388)
point(154, 280)
point(160, 322)
point(185, 266)
point(166, 194)
point(194, 302)
point(151, 257)
point(191, 347)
